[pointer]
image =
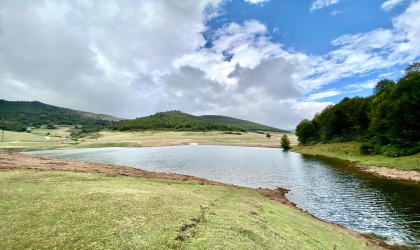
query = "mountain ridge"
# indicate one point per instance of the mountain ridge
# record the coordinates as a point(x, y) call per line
point(248, 125)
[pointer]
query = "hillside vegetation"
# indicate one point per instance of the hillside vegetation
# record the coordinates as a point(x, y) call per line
point(387, 123)
point(251, 126)
point(17, 116)
point(172, 120)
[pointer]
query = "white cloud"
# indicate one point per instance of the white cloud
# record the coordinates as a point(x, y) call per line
point(131, 59)
point(336, 12)
point(390, 4)
point(361, 86)
point(319, 4)
point(324, 94)
point(84, 55)
point(365, 53)
point(256, 1)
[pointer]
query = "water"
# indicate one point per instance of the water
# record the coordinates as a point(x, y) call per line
point(331, 189)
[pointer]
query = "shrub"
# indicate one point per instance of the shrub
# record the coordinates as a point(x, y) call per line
point(50, 126)
point(366, 149)
point(285, 142)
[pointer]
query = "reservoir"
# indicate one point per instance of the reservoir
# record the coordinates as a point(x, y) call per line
point(330, 189)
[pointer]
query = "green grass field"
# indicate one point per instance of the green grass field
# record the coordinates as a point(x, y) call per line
point(39, 135)
point(350, 151)
point(127, 139)
point(62, 131)
point(214, 136)
point(60, 210)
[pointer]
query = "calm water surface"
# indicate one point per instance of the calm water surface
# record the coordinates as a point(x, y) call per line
point(330, 189)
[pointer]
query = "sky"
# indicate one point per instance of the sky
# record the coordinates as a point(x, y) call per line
point(275, 62)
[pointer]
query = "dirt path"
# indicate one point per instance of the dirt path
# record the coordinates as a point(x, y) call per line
point(13, 161)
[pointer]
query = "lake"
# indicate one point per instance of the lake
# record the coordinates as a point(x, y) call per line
point(330, 189)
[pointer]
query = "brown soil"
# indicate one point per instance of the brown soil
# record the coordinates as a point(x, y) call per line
point(392, 173)
point(13, 161)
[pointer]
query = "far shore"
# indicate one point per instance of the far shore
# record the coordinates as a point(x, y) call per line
point(406, 168)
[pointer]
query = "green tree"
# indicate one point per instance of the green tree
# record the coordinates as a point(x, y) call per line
point(381, 85)
point(305, 131)
point(268, 135)
point(285, 142)
point(413, 68)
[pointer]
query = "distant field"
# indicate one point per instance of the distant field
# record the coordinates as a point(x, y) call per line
point(63, 131)
point(350, 151)
point(214, 136)
point(65, 210)
point(128, 139)
point(38, 135)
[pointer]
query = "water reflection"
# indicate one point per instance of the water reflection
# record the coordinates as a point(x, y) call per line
point(330, 189)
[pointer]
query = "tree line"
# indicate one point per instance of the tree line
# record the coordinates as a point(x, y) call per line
point(387, 122)
point(17, 116)
point(173, 121)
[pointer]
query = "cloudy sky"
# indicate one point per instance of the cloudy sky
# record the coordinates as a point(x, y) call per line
point(270, 61)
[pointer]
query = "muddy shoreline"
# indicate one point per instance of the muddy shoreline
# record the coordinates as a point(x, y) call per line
point(15, 161)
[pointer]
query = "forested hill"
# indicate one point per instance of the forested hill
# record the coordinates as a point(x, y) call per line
point(17, 115)
point(252, 126)
point(388, 122)
point(172, 120)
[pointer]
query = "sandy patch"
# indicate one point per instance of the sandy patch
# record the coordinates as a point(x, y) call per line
point(391, 173)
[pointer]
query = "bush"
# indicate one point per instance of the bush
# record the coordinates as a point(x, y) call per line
point(396, 151)
point(50, 126)
point(268, 135)
point(285, 142)
point(366, 149)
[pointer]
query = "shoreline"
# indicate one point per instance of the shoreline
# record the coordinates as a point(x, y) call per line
point(10, 161)
point(404, 168)
point(381, 171)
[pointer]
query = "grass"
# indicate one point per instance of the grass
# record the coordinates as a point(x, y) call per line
point(62, 135)
point(62, 131)
point(214, 136)
point(39, 135)
point(350, 151)
point(91, 211)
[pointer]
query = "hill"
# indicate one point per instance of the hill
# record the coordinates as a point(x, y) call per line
point(172, 120)
point(247, 125)
point(17, 115)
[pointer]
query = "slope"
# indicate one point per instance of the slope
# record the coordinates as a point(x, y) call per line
point(17, 115)
point(172, 120)
point(252, 126)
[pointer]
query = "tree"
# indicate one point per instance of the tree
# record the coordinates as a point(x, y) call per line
point(381, 85)
point(413, 68)
point(305, 131)
point(268, 135)
point(285, 142)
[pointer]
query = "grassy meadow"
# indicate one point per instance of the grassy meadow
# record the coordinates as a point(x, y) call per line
point(213, 136)
point(65, 210)
point(350, 151)
point(60, 138)
point(39, 135)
